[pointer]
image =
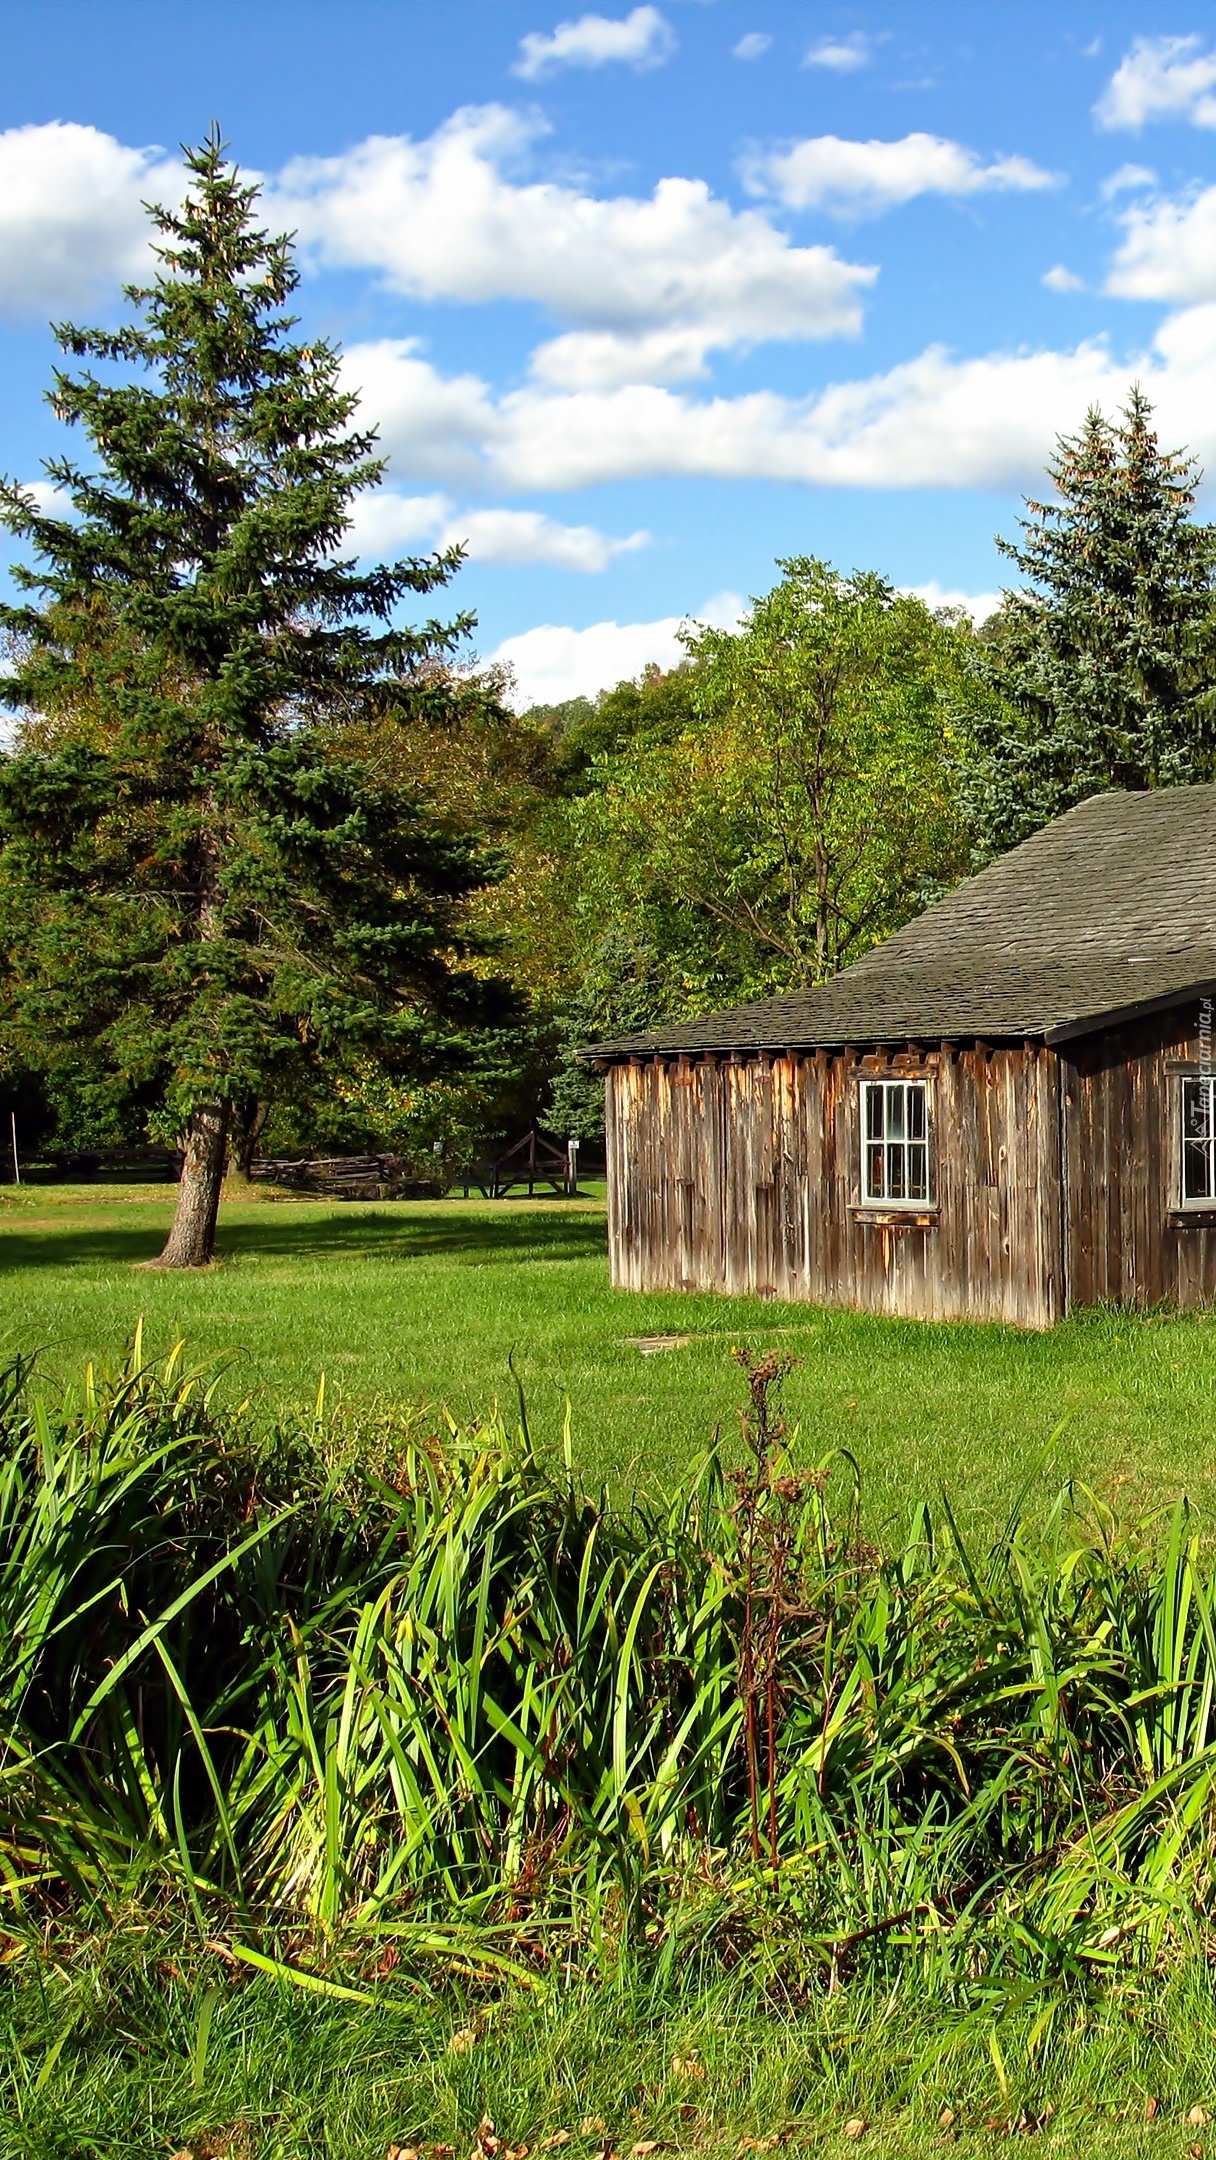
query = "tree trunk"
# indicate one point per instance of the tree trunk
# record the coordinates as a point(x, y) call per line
point(248, 1122)
point(191, 1240)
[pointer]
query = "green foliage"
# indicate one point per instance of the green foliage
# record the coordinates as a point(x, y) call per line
point(434, 1126)
point(196, 880)
point(790, 806)
point(575, 1109)
point(375, 1684)
point(621, 993)
point(655, 708)
point(582, 730)
point(558, 720)
point(1103, 660)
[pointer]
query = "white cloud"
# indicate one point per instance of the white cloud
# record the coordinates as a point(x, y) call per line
point(753, 46)
point(1168, 250)
point(384, 522)
point(933, 421)
point(1161, 78)
point(516, 537)
point(603, 359)
point(437, 426)
point(52, 501)
point(841, 55)
point(1061, 279)
point(72, 222)
point(979, 606)
point(662, 279)
point(643, 39)
point(859, 179)
point(1127, 180)
point(552, 662)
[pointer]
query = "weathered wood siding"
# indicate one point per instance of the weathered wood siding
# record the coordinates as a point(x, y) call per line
point(745, 1176)
point(1129, 1241)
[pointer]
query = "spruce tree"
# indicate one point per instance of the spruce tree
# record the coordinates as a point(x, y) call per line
point(193, 880)
point(1103, 659)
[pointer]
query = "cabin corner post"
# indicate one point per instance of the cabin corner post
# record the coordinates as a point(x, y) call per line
point(1063, 1209)
point(617, 1168)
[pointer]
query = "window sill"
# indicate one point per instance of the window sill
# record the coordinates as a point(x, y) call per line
point(1202, 1216)
point(903, 1218)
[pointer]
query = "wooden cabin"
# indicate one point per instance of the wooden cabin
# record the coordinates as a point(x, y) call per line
point(1005, 1111)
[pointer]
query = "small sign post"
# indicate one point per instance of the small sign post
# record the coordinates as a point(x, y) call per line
point(572, 1169)
point(16, 1163)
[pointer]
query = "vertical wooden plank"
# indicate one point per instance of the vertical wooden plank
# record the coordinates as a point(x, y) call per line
point(744, 1175)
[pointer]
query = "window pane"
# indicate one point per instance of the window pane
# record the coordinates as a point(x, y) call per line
point(1197, 1108)
point(1198, 1143)
point(1196, 1170)
point(895, 1152)
point(873, 1097)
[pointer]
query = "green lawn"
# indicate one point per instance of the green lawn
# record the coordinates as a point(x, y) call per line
point(141, 2045)
point(429, 1301)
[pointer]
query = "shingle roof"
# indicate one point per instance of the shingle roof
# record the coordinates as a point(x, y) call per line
point(1109, 909)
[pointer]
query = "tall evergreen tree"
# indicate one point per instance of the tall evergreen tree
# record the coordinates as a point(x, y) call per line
point(1104, 658)
point(190, 878)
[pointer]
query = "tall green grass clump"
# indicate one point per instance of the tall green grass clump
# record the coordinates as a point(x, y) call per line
point(328, 1695)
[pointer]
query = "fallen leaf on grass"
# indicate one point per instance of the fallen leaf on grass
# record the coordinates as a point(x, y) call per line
point(402, 2152)
point(945, 2120)
point(1150, 2109)
point(687, 2066)
point(1197, 2117)
point(462, 2041)
point(856, 2126)
point(559, 2137)
point(591, 2125)
point(643, 2147)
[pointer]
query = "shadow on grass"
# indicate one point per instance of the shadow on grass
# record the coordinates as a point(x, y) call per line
point(356, 1237)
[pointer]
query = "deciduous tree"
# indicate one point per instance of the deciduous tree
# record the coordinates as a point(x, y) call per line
point(801, 813)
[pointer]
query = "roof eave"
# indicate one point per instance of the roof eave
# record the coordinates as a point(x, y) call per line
point(1117, 1015)
point(623, 1053)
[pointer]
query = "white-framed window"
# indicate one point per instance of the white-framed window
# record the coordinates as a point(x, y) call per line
point(895, 1166)
point(1199, 1143)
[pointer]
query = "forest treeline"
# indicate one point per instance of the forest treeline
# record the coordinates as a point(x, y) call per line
point(280, 868)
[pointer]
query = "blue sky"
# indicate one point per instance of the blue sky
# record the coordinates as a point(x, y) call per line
point(642, 297)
